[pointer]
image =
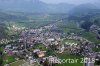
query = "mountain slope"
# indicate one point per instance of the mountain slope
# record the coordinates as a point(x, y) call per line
point(85, 15)
point(9, 17)
point(35, 6)
point(84, 9)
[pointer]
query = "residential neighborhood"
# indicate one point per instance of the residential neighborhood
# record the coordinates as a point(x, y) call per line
point(33, 46)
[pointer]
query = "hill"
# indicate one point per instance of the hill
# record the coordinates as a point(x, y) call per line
point(84, 9)
point(34, 6)
point(4, 16)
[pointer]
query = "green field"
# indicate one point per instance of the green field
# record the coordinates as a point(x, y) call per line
point(96, 49)
point(91, 36)
point(39, 46)
point(1, 49)
point(8, 59)
point(17, 63)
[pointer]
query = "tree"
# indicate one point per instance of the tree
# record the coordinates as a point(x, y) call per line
point(1, 59)
point(86, 25)
point(3, 31)
point(97, 22)
point(1, 62)
point(46, 63)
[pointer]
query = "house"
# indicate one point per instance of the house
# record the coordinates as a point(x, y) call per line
point(40, 54)
point(9, 52)
point(8, 47)
point(36, 50)
point(61, 48)
point(50, 39)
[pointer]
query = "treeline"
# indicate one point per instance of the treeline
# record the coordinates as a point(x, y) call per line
point(3, 31)
point(11, 17)
point(86, 20)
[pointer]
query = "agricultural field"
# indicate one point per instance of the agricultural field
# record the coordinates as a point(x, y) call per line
point(8, 59)
point(17, 63)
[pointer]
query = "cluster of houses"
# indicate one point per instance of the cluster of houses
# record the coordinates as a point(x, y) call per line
point(95, 29)
point(52, 39)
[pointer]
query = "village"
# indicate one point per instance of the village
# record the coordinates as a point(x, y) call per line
point(39, 46)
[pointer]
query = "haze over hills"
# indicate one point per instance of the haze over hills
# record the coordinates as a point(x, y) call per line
point(84, 9)
point(11, 7)
point(34, 6)
point(4, 16)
